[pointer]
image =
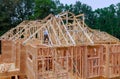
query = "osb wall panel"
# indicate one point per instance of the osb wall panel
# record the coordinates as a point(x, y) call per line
point(0, 50)
point(0, 59)
point(31, 60)
point(5, 77)
point(10, 54)
point(17, 51)
point(7, 51)
point(22, 58)
point(0, 47)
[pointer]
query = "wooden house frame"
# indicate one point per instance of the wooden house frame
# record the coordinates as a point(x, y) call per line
point(73, 50)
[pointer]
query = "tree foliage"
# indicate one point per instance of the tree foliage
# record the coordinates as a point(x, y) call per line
point(6, 12)
point(13, 12)
point(107, 19)
point(43, 8)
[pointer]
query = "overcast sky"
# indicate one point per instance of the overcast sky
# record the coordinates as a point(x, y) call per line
point(93, 3)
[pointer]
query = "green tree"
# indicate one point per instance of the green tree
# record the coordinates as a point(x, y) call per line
point(43, 8)
point(23, 11)
point(85, 9)
point(6, 11)
point(117, 31)
point(106, 19)
point(13, 12)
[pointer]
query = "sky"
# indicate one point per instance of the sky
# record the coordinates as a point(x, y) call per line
point(93, 3)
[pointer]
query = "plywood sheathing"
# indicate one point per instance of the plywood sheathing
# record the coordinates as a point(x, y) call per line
point(31, 62)
point(22, 59)
point(7, 52)
point(5, 77)
point(9, 61)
